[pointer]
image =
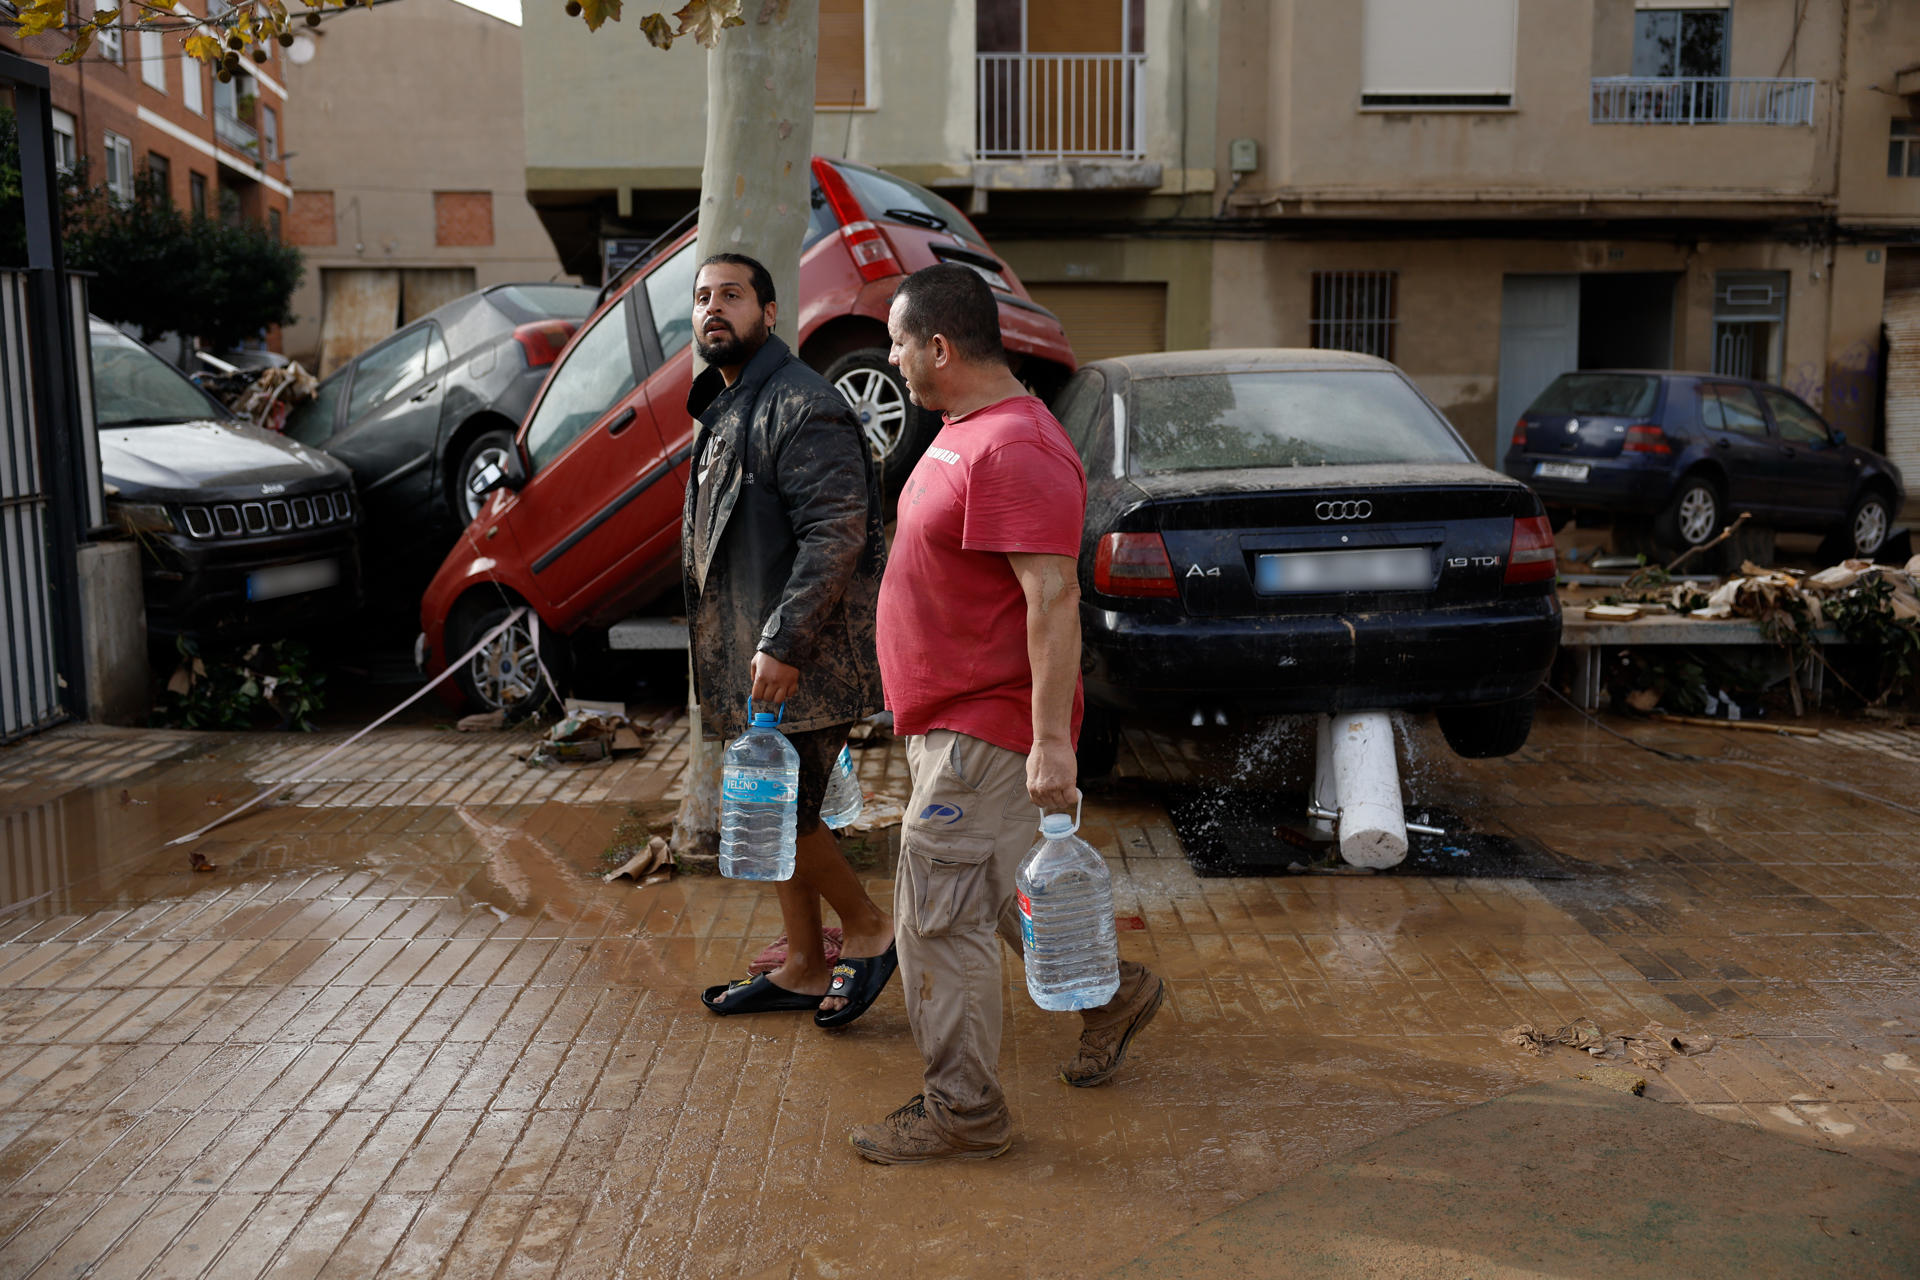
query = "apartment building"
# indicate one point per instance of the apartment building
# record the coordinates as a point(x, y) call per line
point(1488, 192)
point(135, 104)
point(410, 172)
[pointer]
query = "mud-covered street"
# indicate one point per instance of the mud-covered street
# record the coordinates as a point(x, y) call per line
point(403, 1028)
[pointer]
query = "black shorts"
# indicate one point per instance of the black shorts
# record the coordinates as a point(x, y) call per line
point(818, 749)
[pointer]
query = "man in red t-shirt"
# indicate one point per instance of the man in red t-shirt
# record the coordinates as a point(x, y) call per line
point(979, 643)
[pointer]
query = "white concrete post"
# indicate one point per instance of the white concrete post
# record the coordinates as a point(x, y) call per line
point(1373, 827)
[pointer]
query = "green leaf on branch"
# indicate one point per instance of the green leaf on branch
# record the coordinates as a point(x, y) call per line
point(658, 30)
point(705, 19)
point(596, 12)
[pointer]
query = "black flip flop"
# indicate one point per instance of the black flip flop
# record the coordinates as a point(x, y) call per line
point(757, 994)
point(859, 981)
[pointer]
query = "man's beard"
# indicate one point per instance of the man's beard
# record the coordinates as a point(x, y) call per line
point(732, 349)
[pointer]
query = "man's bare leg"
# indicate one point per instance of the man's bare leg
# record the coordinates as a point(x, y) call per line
point(865, 930)
point(821, 871)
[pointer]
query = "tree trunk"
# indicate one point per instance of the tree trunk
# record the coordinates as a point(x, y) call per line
point(753, 200)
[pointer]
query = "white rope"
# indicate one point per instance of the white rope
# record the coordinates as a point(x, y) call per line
point(309, 770)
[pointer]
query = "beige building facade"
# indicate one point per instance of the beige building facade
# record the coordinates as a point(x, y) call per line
point(409, 172)
point(1488, 192)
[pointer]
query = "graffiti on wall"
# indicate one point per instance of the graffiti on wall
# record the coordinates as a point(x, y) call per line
point(1848, 392)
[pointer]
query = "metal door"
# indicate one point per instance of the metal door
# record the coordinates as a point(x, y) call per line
point(29, 688)
point(1539, 341)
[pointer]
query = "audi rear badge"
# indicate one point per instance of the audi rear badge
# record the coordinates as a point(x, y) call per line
point(1351, 510)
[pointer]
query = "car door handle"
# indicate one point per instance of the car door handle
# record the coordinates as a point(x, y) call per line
point(1722, 443)
point(622, 420)
point(1787, 451)
point(425, 391)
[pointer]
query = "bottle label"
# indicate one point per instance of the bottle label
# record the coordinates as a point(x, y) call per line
point(752, 789)
point(1026, 918)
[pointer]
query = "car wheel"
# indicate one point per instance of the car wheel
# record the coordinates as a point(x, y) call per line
point(505, 675)
point(1694, 515)
point(896, 432)
point(1099, 743)
point(1480, 733)
point(1868, 525)
point(484, 461)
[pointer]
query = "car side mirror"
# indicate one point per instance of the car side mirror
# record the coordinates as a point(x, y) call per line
point(1839, 436)
point(511, 473)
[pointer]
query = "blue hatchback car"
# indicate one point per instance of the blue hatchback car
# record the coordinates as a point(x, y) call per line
point(1689, 452)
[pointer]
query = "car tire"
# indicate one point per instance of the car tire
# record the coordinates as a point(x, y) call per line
point(1869, 522)
point(490, 448)
point(1481, 733)
point(1694, 515)
point(489, 679)
point(1099, 746)
point(897, 432)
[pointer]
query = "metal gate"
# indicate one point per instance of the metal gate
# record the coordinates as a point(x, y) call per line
point(29, 687)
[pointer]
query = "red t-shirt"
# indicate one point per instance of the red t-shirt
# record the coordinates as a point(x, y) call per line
point(952, 616)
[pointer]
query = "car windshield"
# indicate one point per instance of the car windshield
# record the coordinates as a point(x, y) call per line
point(132, 387)
point(1613, 395)
point(528, 302)
point(886, 197)
point(1282, 418)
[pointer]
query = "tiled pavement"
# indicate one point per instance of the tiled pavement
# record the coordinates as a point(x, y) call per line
point(402, 1030)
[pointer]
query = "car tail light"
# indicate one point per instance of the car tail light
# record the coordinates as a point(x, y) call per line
point(868, 245)
point(1520, 434)
point(543, 341)
point(1646, 438)
point(1531, 558)
point(1134, 564)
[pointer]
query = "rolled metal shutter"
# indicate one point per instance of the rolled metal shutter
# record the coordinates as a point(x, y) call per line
point(1901, 315)
point(1108, 319)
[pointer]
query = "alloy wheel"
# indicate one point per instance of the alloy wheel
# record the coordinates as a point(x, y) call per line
point(880, 405)
point(482, 469)
point(1699, 515)
point(1869, 528)
point(506, 673)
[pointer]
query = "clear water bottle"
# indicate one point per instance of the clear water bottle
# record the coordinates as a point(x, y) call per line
point(759, 803)
point(843, 802)
point(1066, 920)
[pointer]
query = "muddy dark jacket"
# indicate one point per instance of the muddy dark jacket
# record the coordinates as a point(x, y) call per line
point(790, 560)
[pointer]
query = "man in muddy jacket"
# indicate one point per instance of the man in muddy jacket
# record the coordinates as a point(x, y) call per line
point(782, 553)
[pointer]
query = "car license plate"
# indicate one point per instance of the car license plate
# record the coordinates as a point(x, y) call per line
point(1373, 569)
point(1561, 470)
point(293, 579)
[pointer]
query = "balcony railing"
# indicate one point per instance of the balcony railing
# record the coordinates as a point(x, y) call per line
point(236, 133)
point(1700, 100)
point(1058, 106)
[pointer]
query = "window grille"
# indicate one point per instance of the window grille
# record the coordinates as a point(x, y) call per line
point(1903, 149)
point(1355, 311)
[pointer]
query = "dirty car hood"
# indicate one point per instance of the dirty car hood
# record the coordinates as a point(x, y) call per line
point(1373, 475)
point(206, 458)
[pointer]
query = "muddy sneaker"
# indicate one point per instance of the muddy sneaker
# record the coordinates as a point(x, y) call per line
point(1102, 1051)
point(908, 1137)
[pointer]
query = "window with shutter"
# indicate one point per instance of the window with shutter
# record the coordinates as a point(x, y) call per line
point(840, 79)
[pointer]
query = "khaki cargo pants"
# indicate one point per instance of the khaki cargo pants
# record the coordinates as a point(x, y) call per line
point(968, 827)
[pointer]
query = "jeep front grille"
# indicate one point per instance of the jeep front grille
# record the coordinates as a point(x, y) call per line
point(276, 515)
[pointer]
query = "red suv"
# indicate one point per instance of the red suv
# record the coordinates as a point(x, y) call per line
point(584, 525)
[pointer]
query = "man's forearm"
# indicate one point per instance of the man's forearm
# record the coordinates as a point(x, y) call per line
point(1053, 643)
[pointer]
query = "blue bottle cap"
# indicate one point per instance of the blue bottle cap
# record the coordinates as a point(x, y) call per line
point(765, 720)
point(1058, 826)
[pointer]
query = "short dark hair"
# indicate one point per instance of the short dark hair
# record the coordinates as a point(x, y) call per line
point(955, 302)
point(757, 275)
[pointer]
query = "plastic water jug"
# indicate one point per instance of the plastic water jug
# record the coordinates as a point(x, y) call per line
point(844, 800)
point(759, 803)
point(1066, 919)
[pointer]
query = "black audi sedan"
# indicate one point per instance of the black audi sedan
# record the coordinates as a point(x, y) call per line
point(1281, 531)
point(243, 532)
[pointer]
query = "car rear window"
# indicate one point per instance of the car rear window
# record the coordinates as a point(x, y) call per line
point(880, 192)
point(1282, 418)
point(1613, 395)
point(527, 302)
